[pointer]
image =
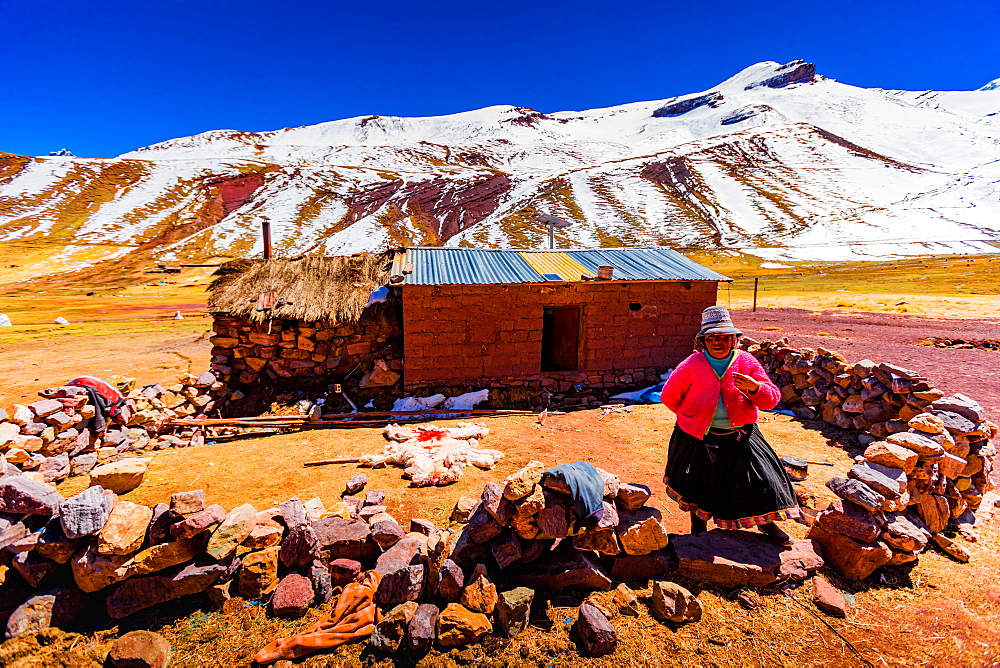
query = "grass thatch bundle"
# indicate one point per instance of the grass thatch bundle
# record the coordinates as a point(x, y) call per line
point(309, 289)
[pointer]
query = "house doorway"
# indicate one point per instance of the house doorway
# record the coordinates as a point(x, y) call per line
point(560, 338)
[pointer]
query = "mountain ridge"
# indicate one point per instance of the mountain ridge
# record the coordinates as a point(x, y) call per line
point(776, 161)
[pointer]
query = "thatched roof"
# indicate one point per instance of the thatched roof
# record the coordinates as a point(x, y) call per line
point(308, 289)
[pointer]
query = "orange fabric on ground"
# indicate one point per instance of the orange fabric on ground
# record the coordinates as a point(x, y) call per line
point(354, 616)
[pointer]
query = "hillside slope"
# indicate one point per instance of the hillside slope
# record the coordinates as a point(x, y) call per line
point(776, 161)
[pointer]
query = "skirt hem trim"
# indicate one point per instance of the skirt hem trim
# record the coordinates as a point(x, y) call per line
point(790, 513)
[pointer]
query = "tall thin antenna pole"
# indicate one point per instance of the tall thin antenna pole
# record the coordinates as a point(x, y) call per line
point(265, 224)
point(551, 236)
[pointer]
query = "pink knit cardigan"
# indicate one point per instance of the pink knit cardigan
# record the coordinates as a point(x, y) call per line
point(692, 392)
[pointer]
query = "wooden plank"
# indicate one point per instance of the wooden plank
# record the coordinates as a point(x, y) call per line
point(266, 300)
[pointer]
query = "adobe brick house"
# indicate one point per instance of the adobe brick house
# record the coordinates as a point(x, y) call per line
point(456, 319)
point(508, 318)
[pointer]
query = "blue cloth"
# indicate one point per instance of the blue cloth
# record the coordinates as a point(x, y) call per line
point(651, 395)
point(721, 418)
point(586, 486)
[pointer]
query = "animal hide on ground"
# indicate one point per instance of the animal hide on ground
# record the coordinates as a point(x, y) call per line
point(432, 455)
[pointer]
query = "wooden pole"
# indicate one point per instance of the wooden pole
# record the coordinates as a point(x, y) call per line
point(338, 418)
point(323, 462)
point(265, 225)
point(756, 280)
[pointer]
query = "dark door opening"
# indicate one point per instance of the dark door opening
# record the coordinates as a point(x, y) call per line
point(560, 338)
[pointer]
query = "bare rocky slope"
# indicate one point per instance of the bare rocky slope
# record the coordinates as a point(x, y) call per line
point(776, 161)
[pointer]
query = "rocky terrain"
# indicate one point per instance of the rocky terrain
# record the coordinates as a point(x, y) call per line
point(777, 161)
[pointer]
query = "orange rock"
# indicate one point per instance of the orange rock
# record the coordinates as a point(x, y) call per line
point(887, 454)
point(852, 559)
point(125, 529)
point(457, 625)
point(480, 595)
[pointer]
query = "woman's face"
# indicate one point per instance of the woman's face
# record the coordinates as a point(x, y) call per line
point(719, 345)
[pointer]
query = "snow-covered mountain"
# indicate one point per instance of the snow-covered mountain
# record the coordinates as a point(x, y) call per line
point(776, 161)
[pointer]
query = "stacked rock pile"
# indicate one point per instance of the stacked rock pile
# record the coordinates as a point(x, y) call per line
point(866, 396)
point(57, 437)
point(904, 491)
point(926, 467)
point(445, 586)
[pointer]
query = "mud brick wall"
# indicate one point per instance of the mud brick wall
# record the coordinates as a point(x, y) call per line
point(492, 334)
point(244, 351)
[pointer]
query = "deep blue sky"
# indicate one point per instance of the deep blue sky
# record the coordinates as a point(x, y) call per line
point(101, 77)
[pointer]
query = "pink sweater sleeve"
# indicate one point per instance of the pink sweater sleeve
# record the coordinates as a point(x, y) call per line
point(768, 395)
point(672, 394)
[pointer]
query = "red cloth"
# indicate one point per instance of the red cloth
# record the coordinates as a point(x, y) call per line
point(692, 392)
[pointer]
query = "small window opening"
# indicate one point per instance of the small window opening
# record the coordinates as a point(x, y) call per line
point(634, 306)
point(560, 338)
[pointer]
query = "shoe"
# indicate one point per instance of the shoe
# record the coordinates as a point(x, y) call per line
point(698, 525)
point(774, 532)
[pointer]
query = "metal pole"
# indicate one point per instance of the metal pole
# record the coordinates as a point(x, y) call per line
point(266, 230)
point(756, 280)
point(551, 237)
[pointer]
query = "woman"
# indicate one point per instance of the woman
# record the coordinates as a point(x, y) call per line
point(718, 463)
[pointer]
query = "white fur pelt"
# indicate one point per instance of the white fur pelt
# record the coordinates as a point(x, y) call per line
point(432, 455)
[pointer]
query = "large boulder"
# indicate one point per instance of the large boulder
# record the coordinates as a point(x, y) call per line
point(122, 476)
point(53, 607)
point(403, 573)
point(125, 529)
point(480, 594)
point(163, 555)
point(390, 631)
point(513, 611)
point(139, 593)
point(851, 520)
point(457, 626)
point(853, 559)
point(198, 522)
point(86, 513)
point(237, 525)
point(339, 538)
point(22, 495)
point(423, 628)
point(564, 568)
point(293, 596)
point(640, 531)
point(258, 572)
point(742, 559)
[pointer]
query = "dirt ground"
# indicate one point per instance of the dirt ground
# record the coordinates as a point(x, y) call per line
point(936, 612)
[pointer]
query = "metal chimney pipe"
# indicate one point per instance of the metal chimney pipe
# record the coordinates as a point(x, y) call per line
point(265, 224)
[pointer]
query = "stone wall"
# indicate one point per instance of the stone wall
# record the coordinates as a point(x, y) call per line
point(491, 335)
point(919, 486)
point(876, 397)
point(245, 352)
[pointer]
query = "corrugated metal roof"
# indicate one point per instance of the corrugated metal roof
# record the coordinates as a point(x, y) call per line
point(559, 263)
point(451, 265)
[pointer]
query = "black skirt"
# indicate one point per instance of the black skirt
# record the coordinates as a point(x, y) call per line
point(735, 478)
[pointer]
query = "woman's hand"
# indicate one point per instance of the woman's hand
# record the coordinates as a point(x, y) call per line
point(745, 382)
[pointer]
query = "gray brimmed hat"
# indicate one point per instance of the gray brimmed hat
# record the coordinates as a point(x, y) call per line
point(716, 320)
